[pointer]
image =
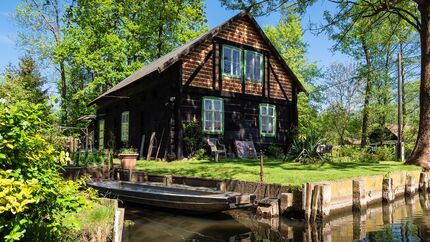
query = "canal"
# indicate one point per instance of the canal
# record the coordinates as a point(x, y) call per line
point(403, 220)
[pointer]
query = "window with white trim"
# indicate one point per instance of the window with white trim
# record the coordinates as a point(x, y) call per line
point(213, 115)
point(125, 118)
point(231, 58)
point(101, 133)
point(267, 120)
point(253, 66)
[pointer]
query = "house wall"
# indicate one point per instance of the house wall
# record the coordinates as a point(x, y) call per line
point(241, 33)
point(241, 117)
point(151, 110)
point(201, 76)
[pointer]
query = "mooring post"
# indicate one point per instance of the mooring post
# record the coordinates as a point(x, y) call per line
point(387, 189)
point(325, 199)
point(168, 180)
point(315, 202)
point(424, 181)
point(410, 187)
point(359, 198)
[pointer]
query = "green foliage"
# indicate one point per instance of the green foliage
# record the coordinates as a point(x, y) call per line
point(366, 154)
point(27, 159)
point(193, 139)
point(304, 149)
point(23, 83)
point(129, 151)
point(275, 151)
point(106, 41)
point(287, 37)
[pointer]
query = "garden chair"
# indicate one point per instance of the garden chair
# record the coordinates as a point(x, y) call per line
point(216, 148)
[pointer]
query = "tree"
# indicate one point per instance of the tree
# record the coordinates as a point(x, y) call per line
point(287, 37)
point(23, 83)
point(343, 90)
point(416, 13)
point(42, 25)
point(105, 41)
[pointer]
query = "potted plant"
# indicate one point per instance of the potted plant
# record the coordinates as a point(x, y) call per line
point(128, 158)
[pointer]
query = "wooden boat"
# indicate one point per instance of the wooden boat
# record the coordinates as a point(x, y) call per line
point(180, 197)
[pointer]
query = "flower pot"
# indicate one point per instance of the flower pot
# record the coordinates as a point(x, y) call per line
point(128, 161)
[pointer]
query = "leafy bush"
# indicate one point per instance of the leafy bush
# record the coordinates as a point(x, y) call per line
point(369, 154)
point(38, 199)
point(275, 151)
point(193, 139)
point(304, 149)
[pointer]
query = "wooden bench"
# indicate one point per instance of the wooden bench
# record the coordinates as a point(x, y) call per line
point(216, 148)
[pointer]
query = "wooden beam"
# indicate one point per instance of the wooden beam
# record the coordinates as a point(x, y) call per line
point(279, 83)
point(197, 70)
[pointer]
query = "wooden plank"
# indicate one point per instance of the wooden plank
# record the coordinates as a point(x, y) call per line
point(118, 224)
point(142, 144)
point(151, 146)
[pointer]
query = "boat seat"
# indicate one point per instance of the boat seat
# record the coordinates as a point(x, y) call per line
point(217, 148)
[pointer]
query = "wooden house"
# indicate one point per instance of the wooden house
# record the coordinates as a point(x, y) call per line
point(231, 80)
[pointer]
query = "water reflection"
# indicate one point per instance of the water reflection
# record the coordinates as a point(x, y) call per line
point(403, 220)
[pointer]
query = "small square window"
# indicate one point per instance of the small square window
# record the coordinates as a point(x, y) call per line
point(213, 115)
point(267, 120)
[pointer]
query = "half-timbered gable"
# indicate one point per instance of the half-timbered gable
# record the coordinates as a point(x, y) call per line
point(231, 80)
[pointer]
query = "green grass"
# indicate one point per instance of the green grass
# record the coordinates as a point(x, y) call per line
point(275, 171)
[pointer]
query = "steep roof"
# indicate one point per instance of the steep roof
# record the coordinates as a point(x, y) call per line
point(166, 61)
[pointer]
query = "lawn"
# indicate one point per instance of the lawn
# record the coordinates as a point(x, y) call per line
point(275, 171)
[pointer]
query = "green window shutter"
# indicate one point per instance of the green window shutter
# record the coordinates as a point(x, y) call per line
point(125, 121)
point(101, 133)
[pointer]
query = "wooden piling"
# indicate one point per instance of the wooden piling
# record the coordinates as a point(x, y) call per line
point(387, 190)
point(325, 200)
point(359, 198)
point(410, 187)
point(424, 181)
point(315, 202)
point(168, 180)
point(118, 225)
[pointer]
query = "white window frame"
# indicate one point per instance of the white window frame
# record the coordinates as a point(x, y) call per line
point(101, 129)
point(209, 115)
point(125, 126)
point(266, 114)
point(252, 66)
point(232, 64)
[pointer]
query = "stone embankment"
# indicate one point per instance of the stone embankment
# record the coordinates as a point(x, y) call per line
point(314, 201)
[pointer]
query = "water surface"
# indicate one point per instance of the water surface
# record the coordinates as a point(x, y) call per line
point(402, 220)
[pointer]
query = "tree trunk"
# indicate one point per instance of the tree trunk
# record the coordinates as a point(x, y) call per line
point(63, 93)
point(421, 152)
point(365, 121)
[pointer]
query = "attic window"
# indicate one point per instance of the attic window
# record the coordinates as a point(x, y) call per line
point(254, 66)
point(231, 61)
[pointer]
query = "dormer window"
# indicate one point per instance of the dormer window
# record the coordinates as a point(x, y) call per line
point(254, 66)
point(231, 58)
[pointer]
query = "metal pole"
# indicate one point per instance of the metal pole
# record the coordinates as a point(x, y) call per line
point(400, 149)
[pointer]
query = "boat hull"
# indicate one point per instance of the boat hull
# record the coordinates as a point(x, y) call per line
point(178, 197)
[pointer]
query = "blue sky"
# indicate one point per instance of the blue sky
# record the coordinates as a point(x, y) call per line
point(318, 46)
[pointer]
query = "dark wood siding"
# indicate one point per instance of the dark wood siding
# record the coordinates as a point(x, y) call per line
point(241, 116)
point(151, 108)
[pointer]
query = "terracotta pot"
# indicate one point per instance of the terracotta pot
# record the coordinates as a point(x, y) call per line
point(128, 161)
